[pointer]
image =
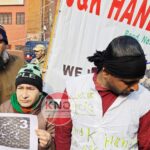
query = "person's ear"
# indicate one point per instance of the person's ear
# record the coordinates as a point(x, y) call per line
point(106, 75)
point(105, 72)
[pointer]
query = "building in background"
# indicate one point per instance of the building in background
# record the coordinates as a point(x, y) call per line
point(27, 20)
point(40, 14)
point(13, 18)
point(48, 17)
point(34, 21)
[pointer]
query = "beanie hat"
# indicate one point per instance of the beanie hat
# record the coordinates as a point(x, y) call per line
point(30, 74)
point(3, 36)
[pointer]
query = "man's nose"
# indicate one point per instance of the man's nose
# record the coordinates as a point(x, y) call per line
point(25, 94)
point(134, 87)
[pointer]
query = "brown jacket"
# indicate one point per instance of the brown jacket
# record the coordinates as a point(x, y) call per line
point(42, 124)
point(8, 76)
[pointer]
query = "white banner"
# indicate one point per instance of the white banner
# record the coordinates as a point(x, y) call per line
point(84, 26)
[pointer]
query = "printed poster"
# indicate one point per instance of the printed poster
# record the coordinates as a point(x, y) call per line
point(17, 131)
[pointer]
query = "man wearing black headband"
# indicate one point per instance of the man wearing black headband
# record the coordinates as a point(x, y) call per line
point(123, 60)
point(109, 109)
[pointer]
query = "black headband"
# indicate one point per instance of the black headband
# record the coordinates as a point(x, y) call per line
point(126, 67)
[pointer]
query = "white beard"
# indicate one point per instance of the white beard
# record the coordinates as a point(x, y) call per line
point(5, 56)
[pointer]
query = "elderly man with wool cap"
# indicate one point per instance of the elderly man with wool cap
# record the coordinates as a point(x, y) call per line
point(28, 99)
point(9, 66)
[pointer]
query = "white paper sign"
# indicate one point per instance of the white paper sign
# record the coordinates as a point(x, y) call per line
point(17, 131)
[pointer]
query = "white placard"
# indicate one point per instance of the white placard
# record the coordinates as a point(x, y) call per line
point(17, 131)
